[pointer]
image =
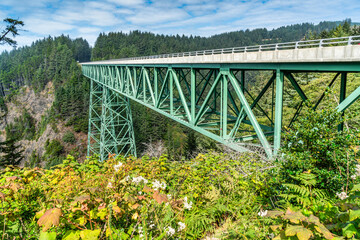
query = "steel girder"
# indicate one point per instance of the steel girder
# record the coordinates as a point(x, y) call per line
point(213, 98)
point(110, 123)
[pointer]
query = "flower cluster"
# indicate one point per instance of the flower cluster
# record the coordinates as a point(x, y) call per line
point(118, 166)
point(182, 226)
point(152, 225)
point(187, 205)
point(141, 233)
point(137, 180)
point(158, 185)
point(357, 174)
point(170, 231)
point(262, 213)
point(342, 195)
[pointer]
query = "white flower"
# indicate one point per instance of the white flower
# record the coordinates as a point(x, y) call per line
point(353, 176)
point(127, 178)
point(137, 180)
point(157, 184)
point(186, 204)
point(342, 195)
point(181, 226)
point(152, 225)
point(271, 235)
point(262, 213)
point(300, 142)
point(141, 233)
point(118, 166)
point(170, 231)
point(357, 169)
point(109, 185)
point(169, 196)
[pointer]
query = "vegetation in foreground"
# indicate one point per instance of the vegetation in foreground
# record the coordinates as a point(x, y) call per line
point(311, 193)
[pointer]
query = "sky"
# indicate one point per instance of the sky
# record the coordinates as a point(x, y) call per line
point(88, 18)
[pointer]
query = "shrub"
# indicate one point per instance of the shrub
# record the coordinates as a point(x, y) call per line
point(69, 137)
point(314, 144)
point(129, 198)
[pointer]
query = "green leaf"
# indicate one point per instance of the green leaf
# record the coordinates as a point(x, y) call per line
point(90, 235)
point(354, 215)
point(349, 231)
point(71, 235)
point(102, 213)
point(355, 188)
point(47, 235)
point(301, 232)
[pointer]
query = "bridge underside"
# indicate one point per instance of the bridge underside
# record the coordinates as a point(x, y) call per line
point(213, 99)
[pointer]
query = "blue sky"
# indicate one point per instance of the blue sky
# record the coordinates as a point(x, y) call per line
point(87, 18)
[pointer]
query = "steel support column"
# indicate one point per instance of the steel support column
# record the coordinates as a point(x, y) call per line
point(278, 109)
point(110, 123)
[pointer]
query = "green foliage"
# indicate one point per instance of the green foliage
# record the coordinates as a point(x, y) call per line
point(131, 198)
point(322, 220)
point(11, 153)
point(53, 153)
point(50, 59)
point(22, 128)
point(304, 194)
point(295, 225)
point(342, 30)
point(315, 144)
point(136, 43)
point(12, 26)
point(69, 137)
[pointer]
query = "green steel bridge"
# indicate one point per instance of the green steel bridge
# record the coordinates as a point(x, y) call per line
point(207, 91)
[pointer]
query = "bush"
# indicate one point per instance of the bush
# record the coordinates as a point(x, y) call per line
point(314, 144)
point(69, 137)
point(129, 198)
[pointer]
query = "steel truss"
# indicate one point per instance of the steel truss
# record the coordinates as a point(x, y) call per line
point(110, 123)
point(212, 99)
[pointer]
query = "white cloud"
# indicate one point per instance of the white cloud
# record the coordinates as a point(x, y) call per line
point(46, 27)
point(86, 30)
point(151, 15)
point(88, 18)
point(127, 3)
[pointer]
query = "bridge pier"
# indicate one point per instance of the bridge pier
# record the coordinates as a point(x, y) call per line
point(110, 123)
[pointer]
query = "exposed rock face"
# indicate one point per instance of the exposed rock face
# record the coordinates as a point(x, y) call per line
point(37, 105)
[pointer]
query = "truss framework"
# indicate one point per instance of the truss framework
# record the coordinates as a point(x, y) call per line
point(212, 99)
point(110, 123)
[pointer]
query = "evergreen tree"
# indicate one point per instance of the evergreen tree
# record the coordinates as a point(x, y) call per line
point(11, 153)
point(11, 28)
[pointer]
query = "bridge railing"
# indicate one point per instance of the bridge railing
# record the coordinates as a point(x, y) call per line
point(340, 41)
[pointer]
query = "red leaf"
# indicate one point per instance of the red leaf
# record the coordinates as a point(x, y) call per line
point(50, 217)
point(160, 198)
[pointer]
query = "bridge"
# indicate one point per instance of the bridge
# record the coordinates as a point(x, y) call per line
point(208, 91)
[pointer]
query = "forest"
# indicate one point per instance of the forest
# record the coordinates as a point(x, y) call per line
point(183, 186)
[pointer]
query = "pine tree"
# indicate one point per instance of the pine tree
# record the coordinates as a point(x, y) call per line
point(11, 153)
point(11, 28)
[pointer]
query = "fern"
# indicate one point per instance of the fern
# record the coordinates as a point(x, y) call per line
point(305, 194)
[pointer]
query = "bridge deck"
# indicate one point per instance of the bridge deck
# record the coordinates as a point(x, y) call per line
point(349, 53)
